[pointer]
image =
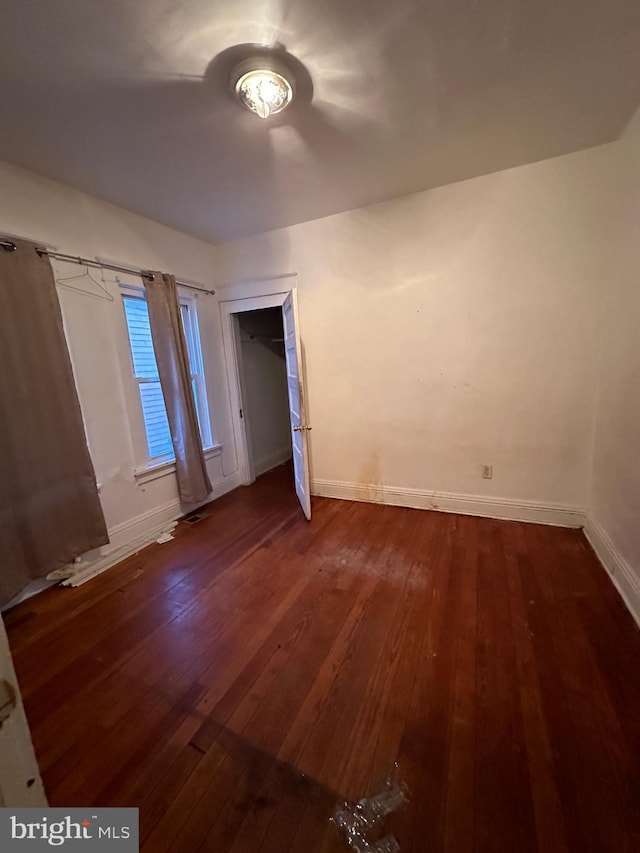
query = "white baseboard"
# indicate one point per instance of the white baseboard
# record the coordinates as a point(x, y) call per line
point(488, 507)
point(278, 457)
point(134, 534)
point(624, 578)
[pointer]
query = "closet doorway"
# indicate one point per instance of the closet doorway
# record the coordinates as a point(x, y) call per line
point(264, 367)
point(262, 371)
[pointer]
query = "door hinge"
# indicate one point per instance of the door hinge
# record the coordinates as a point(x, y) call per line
point(241, 415)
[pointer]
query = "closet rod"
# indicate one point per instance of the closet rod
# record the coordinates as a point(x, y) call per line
point(10, 246)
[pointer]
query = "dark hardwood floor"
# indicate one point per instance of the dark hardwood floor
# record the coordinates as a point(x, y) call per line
point(240, 682)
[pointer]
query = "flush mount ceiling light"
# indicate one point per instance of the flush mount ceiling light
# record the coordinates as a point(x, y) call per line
point(263, 86)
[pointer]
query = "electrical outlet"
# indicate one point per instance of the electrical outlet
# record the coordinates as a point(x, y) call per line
point(487, 472)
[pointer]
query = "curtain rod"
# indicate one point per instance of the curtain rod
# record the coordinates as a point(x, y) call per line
point(10, 246)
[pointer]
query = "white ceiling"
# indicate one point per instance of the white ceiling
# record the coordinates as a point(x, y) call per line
point(125, 100)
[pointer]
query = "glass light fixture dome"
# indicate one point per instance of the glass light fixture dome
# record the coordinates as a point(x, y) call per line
point(263, 87)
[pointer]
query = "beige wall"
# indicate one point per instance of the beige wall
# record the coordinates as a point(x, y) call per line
point(454, 328)
point(615, 488)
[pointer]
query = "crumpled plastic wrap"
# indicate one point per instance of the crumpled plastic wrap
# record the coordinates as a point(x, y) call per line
point(388, 844)
point(356, 821)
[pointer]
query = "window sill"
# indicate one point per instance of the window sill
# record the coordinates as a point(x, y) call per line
point(154, 472)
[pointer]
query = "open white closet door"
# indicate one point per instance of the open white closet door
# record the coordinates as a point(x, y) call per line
point(299, 428)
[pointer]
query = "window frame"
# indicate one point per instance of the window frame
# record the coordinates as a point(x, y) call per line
point(194, 348)
point(155, 466)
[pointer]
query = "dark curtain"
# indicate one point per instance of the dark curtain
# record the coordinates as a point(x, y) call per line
point(172, 357)
point(50, 512)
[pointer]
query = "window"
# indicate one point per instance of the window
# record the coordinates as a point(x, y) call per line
point(145, 371)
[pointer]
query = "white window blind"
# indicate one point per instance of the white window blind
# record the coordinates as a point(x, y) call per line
point(145, 371)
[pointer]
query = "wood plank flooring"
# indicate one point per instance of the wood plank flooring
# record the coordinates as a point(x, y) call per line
point(240, 682)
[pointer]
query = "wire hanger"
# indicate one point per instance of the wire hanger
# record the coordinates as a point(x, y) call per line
point(104, 293)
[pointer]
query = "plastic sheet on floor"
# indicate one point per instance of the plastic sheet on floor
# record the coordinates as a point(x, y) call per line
point(359, 822)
